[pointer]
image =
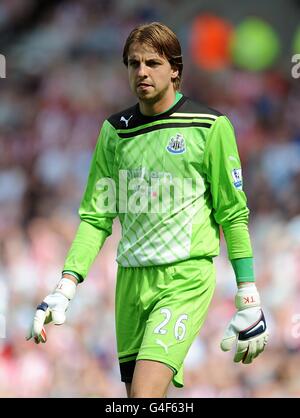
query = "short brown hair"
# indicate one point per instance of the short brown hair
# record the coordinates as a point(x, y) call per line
point(163, 40)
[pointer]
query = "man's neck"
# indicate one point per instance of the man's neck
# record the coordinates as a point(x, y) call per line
point(159, 106)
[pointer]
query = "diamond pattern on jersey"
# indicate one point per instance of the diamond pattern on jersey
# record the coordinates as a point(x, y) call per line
point(153, 238)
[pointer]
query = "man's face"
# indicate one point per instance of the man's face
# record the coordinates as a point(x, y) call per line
point(150, 74)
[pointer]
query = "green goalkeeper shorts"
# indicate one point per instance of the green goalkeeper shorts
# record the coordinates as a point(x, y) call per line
point(160, 311)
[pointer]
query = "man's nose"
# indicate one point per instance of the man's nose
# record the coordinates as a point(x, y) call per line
point(142, 70)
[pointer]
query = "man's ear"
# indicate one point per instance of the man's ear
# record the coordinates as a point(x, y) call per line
point(174, 73)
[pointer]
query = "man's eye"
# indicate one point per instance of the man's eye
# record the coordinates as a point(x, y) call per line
point(153, 63)
point(133, 64)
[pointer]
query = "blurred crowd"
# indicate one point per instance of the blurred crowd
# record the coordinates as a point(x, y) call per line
point(64, 77)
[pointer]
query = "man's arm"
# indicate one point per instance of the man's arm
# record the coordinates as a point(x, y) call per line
point(95, 226)
point(223, 169)
point(97, 209)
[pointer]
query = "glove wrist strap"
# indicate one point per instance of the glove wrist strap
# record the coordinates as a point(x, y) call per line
point(247, 297)
point(66, 287)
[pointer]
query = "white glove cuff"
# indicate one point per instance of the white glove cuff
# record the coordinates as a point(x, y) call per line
point(247, 297)
point(66, 287)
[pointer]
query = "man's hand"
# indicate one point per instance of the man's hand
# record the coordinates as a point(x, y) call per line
point(247, 328)
point(52, 309)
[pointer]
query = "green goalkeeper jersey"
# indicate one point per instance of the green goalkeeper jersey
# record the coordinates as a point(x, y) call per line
point(172, 179)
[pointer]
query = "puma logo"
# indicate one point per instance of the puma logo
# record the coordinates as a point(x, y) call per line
point(123, 119)
point(159, 342)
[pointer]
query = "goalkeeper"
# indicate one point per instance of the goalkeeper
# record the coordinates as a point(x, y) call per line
point(169, 169)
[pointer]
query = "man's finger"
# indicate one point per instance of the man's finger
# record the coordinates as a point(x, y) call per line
point(38, 321)
point(241, 349)
point(43, 336)
point(262, 343)
point(227, 343)
point(38, 331)
point(40, 338)
point(251, 353)
point(58, 317)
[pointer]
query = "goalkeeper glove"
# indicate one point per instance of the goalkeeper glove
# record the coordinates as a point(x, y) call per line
point(52, 309)
point(247, 328)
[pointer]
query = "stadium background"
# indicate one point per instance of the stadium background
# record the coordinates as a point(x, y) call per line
point(63, 77)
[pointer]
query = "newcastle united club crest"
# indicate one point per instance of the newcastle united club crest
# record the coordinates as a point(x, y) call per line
point(176, 145)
